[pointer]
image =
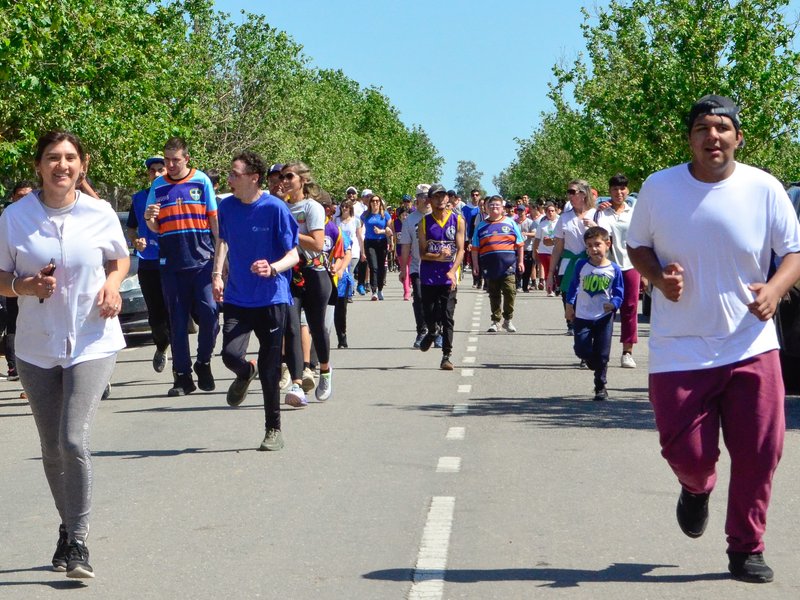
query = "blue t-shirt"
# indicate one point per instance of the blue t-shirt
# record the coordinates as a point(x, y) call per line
point(136, 221)
point(264, 229)
point(372, 220)
point(186, 205)
point(468, 212)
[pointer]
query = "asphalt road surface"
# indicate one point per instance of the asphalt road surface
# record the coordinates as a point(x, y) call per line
point(501, 479)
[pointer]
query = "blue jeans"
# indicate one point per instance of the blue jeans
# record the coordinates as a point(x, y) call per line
point(593, 344)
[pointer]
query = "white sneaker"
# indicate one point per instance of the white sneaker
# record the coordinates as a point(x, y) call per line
point(493, 328)
point(509, 326)
point(308, 380)
point(286, 377)
point(627, 362)
point(325, 386)
point(551, 294)
point(296, 397)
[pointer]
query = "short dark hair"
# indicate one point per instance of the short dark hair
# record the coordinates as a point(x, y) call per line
point(213, 175)
point(618, 180)
point(54, 137)
point(176, 143)
point(21, 185)
point(474, 191)
point(596, 232)
point(253, 162)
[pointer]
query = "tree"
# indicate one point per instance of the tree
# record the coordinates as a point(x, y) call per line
point(622, 108)
point(468, 178)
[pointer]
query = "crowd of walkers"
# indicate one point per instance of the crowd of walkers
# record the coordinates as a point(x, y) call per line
point(283, 263)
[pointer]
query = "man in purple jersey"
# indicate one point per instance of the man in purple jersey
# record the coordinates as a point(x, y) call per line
point(258, 236)
point(441, 248)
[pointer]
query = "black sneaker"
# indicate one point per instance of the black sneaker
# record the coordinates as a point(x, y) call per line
point(749, 567)
point(205, 380)
point(60, 555)
point(159, 360)
point(238, 389)
point(184, 384)
point(427, 342)
point(343, 342)
point(601, 395)
point(106, 392)
point(420, 337)
point(446, 365)
point(78, 566)
point(692, 513)
point(13, 375)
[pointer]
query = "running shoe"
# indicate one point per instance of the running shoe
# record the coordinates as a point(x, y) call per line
point(184, 384)
point(78, 566)
point(273, 441)
point(343, 342)
point(692, 513)
point(627, 362)
point(509, 326)
point(159, 360)
point(420, 337)
point(205, 380)
point(437, 343)
point(493, 328)
point(296, 396)
point(427, 342)
point(308, 380)
point(601, 395)
point(361, 290)
point(325, 386)
point(374, 297)
point(446, 364)
point(13, 375)
point(286, 377)
point(749, 567)
point(238, 388)
point(380, 294)
point(60, 555)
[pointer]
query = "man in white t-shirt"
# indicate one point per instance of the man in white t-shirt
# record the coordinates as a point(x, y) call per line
point(408, 242)
point(703, 234)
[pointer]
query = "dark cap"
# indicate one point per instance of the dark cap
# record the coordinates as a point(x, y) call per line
point(714, 105)
point(452, 193)
point(520, 208)
point(407, 198)
point(153, 160)
point(436, 188)
point(276, 168)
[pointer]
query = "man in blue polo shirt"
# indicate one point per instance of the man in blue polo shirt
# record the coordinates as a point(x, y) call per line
point(182, 209)
point(259, 237)
point(145, 242)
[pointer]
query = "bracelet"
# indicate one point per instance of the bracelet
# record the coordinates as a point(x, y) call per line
point(216, 273)
point(13, 289)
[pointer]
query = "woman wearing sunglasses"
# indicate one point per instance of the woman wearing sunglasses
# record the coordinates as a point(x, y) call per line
point(311, 283)
point(377, 231)
point(569, 245)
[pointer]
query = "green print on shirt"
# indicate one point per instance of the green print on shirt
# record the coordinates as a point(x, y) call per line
point(593, 284)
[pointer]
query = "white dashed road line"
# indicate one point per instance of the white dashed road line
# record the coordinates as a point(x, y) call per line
point(432, 558)
point(469, 360)
point(464, 388)
point(449, 464)
point(460, 409)
point(467, 372)
point(456, 433)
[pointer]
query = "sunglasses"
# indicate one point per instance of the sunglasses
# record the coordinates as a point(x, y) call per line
point(287, 176)
point(573, 192)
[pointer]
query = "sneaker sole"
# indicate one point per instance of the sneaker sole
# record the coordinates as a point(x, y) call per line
point(263, 448)
point(80, 573)
point(59, 568)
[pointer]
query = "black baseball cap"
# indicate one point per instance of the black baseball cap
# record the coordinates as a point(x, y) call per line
point(714, 105)
point(436, 188)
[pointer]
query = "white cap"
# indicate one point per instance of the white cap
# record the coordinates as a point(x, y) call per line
point(422, 189)
point(366, 192)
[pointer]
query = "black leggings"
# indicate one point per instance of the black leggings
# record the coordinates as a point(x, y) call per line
point(376, 257)
point(313, 298)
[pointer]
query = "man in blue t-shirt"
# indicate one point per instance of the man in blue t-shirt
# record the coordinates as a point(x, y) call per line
point(182, 210)
point(145, 242)
point(259, 237)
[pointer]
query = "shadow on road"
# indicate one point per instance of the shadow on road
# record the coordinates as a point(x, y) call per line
point(551, 577)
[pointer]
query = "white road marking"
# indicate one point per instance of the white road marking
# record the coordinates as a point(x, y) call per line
point(468, 359)
point(449, 464)
point(467, 372)
point(472, 348)
point(460, 409)
point(428, 579)
point(472, 339)
point(464, 389)
point(456, 433)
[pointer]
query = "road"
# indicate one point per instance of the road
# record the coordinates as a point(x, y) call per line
point(501, 479)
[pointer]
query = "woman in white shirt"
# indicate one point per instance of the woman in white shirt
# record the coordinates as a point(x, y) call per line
point(64, 255)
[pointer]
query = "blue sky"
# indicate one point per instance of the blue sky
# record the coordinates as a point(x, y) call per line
point(473, 74)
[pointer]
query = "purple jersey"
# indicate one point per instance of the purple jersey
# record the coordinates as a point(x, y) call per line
point(438, 234)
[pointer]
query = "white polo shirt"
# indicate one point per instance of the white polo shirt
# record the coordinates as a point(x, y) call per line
point(66, 328)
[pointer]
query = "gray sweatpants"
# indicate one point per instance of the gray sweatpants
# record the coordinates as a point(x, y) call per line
point(64, 402)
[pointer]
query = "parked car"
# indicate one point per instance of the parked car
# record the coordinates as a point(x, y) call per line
point(133, 315)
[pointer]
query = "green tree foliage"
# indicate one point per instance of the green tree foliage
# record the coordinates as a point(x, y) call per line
point(468, 178)
point(622, 107)
point(127, 74)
